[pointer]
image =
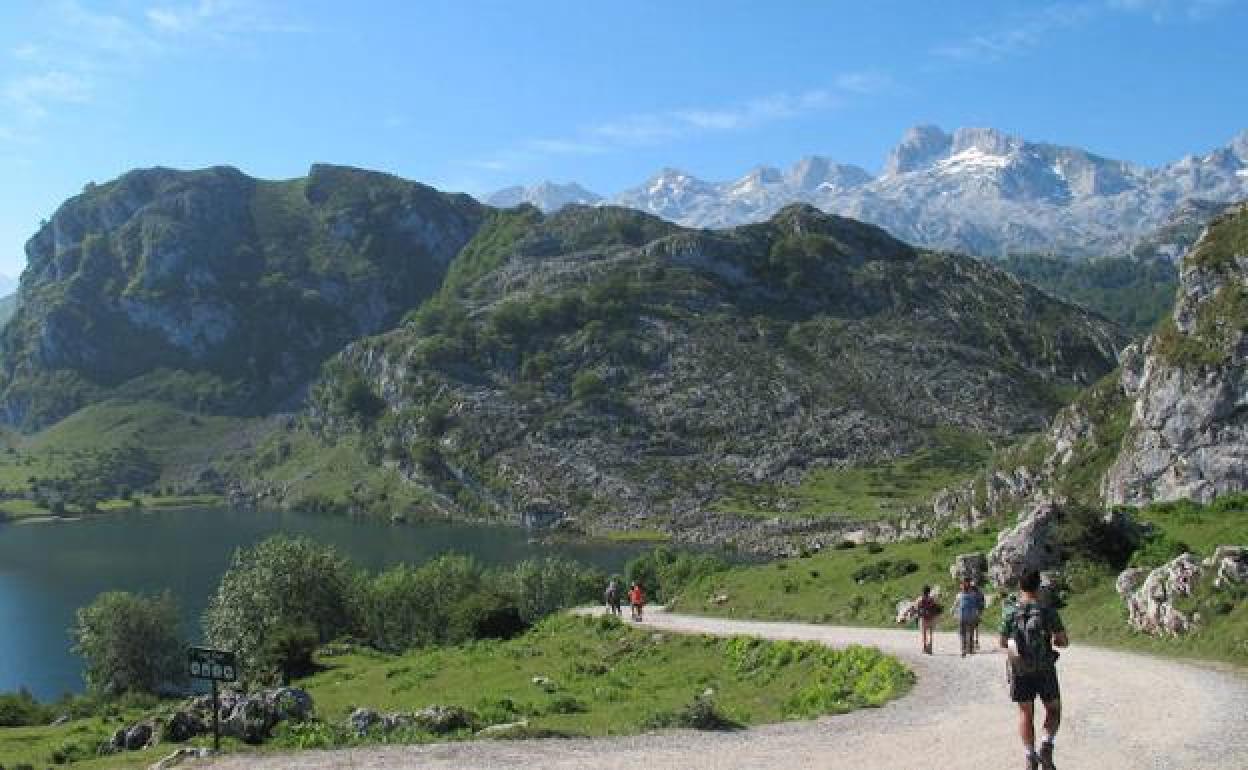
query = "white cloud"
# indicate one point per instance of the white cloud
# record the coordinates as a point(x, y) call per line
point(1030, 29)
point(31, 96)
point(1018, 34)
point(864, 82)
point(82, 49)
point(652, 128)
point(1164, 10)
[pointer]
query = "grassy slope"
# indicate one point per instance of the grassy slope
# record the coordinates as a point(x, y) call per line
point(608, 679)
point(181, 444)
point(869, 492)
point(822, 589)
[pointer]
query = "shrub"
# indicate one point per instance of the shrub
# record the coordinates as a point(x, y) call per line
point(130, 643)
point(543, 587)
point(485, 615)
point(288, 651)
point(664, 572)
point(406, 607)
point(884, 569)
point(588, 385)
point(20, 709)
point(280, 583)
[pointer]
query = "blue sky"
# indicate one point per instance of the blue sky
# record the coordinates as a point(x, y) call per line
point(477, 95)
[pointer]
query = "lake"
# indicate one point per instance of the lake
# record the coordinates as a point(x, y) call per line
point(49, 570)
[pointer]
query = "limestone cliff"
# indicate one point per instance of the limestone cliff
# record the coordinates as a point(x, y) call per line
point(1188, 435)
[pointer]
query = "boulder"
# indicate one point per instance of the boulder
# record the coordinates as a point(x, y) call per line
point(362, 719)
point(505, 731)
point(1150, 595)
point(1029, 545)
point(443, 719)
point(1230, 563)
point(969, 566)
point(907, 611)
point(183, 726)
point(288, 704)
point(137, 737)
point(249, 720)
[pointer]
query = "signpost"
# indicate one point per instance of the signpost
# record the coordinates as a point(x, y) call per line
point(215, 666)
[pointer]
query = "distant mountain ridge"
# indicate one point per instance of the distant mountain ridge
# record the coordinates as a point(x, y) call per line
point(976, 190)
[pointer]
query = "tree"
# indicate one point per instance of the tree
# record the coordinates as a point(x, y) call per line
point(280, 583)
point(544, 587)
point(130, 643)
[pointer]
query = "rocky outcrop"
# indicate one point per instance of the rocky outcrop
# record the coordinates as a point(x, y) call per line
point(250, 717)
point(1029, 545)
point(1150, 595)
point(1188, 437)
point(969, 566)
point(1229, 565)
point(250, 284)
point(438, 720)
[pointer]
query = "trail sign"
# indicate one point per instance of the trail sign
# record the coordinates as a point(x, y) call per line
point(216, 665)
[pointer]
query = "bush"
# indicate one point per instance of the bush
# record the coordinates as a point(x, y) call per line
point(664, 572)
point(547, 586)
point(288, 652)
point(884, 569)
point(278, 584)
point(130, 643)
point(588, 385)
point(485, 615)
point(407, 607)
point(20, 709)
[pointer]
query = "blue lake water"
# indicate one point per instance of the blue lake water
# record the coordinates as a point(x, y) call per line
point(49, 570)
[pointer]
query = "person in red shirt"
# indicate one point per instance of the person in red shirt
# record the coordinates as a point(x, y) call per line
point(637, 598)
point(927, 610)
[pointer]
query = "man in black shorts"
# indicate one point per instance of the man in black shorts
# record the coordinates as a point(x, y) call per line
point(1030, 631)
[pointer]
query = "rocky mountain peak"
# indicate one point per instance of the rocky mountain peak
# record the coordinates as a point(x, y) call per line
point(919, 147)
point(989, 141)
point(547, 195)
point(815, 171)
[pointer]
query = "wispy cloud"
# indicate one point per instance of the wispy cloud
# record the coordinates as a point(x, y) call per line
point(651, 128)
point(1031, 29)
point(84, 47)
point(1165, 10)
point(32, 95)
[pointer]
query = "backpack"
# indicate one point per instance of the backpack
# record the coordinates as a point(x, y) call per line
point(1032, 639)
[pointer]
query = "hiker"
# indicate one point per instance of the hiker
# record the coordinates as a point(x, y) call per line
point(982, 602)
point(927, 610)
point(1030, 631)
point(637, 598)
point(967, 607)
point(611, 597)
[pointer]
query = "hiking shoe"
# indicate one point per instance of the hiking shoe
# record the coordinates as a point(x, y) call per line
point(1033, 763)
point(1046, 757)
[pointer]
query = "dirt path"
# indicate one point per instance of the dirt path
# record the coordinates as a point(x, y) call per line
point(1123, 711)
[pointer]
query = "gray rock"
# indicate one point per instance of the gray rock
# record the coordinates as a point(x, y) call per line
point(362, 720)
point(183, 726)
point(137, 737)
point(1150, 595)
point(1230, 563)
point(505, 731)
point(969, 566)
point(1188, 437)
point(1029, 545)
point(180, 756)
point(443, 719)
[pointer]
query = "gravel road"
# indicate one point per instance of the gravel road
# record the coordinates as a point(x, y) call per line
point(1122, 710)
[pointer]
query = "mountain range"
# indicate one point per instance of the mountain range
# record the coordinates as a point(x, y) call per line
point(976, 190)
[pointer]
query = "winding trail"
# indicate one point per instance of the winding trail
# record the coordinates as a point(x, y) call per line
point(1122, 711)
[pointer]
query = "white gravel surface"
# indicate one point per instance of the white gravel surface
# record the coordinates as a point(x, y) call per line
point(1122, 710)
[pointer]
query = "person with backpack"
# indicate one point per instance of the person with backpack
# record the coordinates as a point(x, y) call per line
point(611, 597)
point(927, 609)
point(1029, 632)
point(982, 602)
point(967, 607)
point(637, 598)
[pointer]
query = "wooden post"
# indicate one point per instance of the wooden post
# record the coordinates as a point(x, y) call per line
point(216, 719)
